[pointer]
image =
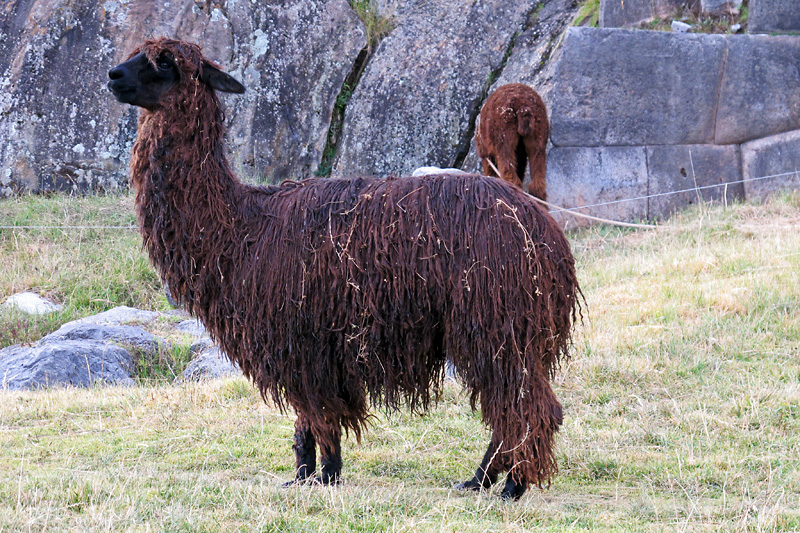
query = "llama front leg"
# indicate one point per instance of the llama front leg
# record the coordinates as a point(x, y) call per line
point(487, 472)
point(330, 451)
point(305, 451)
point(514, 487)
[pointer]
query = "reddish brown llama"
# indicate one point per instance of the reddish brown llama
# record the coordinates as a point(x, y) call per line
point(513, 133)
point(336, 295)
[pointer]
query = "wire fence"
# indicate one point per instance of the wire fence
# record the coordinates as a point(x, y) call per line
point(553, 208)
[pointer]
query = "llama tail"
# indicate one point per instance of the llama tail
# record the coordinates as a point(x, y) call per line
point(526, 122)
point(524, 433)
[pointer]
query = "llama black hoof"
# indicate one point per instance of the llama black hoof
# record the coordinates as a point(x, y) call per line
point(302, 481)
point(512, 491)
point(469, 485)
point(327, 480)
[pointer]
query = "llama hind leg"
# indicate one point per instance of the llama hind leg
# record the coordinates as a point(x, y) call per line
point(486, 474)
point(537, 159)
point(305, 451)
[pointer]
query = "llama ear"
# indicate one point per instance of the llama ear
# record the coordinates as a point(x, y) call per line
point(218, 80)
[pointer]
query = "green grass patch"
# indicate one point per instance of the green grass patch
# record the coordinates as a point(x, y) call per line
point(588, 14)
point(80, 252)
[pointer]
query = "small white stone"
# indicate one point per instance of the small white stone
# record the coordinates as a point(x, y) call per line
point(31, 303)
point(79, 148)
point(680, 27)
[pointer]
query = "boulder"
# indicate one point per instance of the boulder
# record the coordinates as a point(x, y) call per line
point(210, 363)
point(774, 16)
point(117, 316)
point(55, 55)
point(760, 91)
point(698, 167)
point(622, 13)
point(293, 57)
point(66, 363)
point(30, 303)
point(770, 165)
point(131, 336)
point(585, 176)
point(423, 86)
point(629, 87)
point(192, 327)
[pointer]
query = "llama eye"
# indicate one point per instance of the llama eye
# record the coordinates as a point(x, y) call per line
point(163, 64)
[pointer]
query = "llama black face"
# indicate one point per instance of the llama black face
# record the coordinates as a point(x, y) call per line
point(138, 82)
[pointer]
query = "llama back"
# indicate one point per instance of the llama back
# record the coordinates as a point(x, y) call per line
point(396, 275)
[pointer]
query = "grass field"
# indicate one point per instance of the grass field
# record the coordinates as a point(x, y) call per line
point(682, 400)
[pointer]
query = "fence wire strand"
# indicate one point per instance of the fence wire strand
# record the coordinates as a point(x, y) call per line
point(554, 208)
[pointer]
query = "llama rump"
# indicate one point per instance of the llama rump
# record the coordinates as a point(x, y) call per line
point(513, 133)
point(338, 295)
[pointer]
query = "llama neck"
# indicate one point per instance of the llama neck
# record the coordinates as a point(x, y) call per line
point(186, 204)
point(179, 164)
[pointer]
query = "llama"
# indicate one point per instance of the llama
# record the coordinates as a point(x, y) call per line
point(513, 131)
point(338, 295)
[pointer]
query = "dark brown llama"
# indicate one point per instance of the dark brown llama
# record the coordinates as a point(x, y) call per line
point(336, 295)
point(513, 133)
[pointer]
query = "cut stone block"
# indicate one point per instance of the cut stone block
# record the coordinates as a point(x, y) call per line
point(587, 176)
point(626, 87)
point(773, 16)
point(719, 7)
point(760, 91)
point(621, 13)
point(676, 168)
point(777, 156)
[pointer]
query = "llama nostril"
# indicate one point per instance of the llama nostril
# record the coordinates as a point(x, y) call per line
point(115, 73)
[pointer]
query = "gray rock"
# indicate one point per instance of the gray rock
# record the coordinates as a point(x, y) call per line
point(201, 345)
point(627, 87)
point(118, 316)
point(424, 85)
point(774, 16)
point(760, 91)
point(720, 7)
point(735, 28)
point(192, 327)
point(211, 363)
point(586, 176)
point(53, 61)
point(680, 27)
point(777, 156)
point(55, 55)
point(31, 303)
point(293, 56)
point(67, 363)
point(132, 336)
point(622, 13)
point(674, 168)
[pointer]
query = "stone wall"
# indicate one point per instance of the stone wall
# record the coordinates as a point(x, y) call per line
point(765, 16)
point(640, 113)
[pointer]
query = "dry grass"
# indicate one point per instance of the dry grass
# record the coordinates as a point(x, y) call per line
point(682, 413)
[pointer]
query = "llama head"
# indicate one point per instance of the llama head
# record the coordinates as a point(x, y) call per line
point(161, 70)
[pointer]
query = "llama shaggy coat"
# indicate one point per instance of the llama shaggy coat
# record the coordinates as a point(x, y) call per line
point(336, 295)
point(512, 134)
